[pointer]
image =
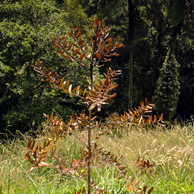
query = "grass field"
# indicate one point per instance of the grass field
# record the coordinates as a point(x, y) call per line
point(171, 149)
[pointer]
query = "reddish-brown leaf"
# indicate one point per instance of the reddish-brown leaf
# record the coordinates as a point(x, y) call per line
point(80, 40)
point(115, 54)
point(70, 45)
point(52, 39)
point(95, 19)
point(136, 183)
point(76, 52)
point(100, 148)
point(30, 159)
point(50, 74)
point(32, 144)
point(92, 26)
point(102, 133)
point(98, 87)
point(55, 75)
point(91, 39)
point(144, 188)
point(150, 190)
point(102, 50)
point(38, 64)
point(75, 30)
point(82, 56)
point(70, 27)
point(64, 44)
point(132, 179)
point(62, 38)
point(30, 170)
point(106, 82)
point(29, 142)
point(57, 38)
point(105, 45)
point(146, 101)
point(84, 44)
point(59, 51)
point(93, 48)
point(71, 34)
point(132, 188)
point(120, 45)
point(98, 55)
point(78, 34)
point(121, 167)
point(56, 46)
point(110, 42)
point(107, 60)
point(58, 122)
point(65, 56)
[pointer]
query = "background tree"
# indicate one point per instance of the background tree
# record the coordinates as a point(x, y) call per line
point(25, 29)
point(167, 92)
point(181, 15)
point(127, 11)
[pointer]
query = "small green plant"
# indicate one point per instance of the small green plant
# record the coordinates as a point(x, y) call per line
point(102, 49)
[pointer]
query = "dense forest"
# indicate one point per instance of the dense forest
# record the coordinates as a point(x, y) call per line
point(157, 61)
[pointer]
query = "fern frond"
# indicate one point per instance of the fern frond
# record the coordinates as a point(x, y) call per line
point(176, 11)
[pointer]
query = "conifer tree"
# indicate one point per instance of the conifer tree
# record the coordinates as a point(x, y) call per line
point(167, 91)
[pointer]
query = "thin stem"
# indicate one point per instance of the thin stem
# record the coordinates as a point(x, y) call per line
point(89, 136)
point(89, 151)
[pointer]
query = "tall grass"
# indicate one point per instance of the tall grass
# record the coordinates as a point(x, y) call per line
point(171, 150)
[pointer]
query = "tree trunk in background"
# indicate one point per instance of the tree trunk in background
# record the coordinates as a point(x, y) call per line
point(130, 44)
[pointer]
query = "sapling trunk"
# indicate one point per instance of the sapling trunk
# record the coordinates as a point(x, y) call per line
point(89, 150)
point(89, 134)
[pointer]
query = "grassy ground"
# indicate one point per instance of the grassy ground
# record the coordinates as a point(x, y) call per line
point(171, 149)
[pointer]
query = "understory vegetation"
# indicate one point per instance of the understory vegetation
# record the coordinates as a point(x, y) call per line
point(171, 149)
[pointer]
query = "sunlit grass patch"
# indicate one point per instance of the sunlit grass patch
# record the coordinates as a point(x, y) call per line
point(170, 149)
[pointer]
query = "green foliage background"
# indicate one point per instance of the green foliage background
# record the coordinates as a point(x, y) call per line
point(25, 29)
point(27, 25)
